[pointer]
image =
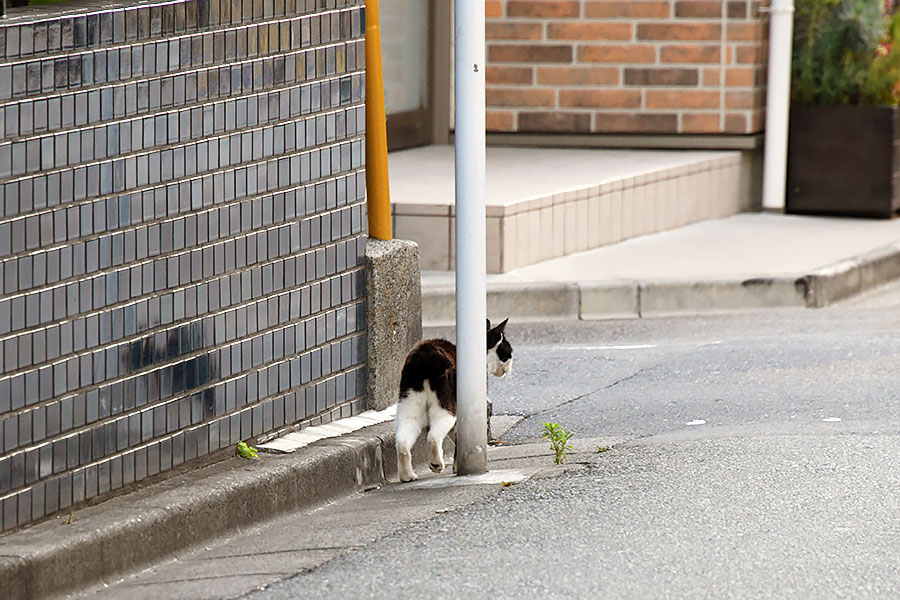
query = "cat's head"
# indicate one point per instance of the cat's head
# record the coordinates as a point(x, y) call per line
point(499, 351)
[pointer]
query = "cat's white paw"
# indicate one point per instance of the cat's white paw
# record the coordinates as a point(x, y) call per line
point(407, 477)
point(436, 455)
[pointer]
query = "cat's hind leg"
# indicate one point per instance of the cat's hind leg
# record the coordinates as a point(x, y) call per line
point(411, 418)
point(440, 422)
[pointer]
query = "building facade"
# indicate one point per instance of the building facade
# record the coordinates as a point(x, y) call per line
point(602, 70)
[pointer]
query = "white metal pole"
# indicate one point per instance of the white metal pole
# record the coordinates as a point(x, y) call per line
point(471, 312)
point(778, 98)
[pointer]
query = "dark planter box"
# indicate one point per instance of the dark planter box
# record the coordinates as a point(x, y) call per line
point(842, 161)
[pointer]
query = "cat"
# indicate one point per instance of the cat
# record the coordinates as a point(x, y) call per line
point(428, 396)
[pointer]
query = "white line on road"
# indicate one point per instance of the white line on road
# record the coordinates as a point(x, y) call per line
point(629, 346)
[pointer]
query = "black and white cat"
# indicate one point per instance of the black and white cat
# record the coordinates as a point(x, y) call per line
point(428, 395)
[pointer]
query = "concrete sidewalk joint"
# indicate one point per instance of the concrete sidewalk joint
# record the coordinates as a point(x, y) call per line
point(626, 299)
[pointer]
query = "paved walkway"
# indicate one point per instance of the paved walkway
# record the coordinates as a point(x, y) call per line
point(752, 260)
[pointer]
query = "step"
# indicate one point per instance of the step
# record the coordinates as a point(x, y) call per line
point(543, 203)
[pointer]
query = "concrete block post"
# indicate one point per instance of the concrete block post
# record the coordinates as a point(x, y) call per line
point(393, 315)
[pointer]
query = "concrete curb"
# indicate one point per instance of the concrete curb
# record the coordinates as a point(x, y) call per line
point(626, 299)
point(129, 531)
point(531, 302)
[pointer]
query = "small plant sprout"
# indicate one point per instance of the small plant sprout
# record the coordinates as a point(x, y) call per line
point(559, 438)
point(245, 451)
point(603, 449)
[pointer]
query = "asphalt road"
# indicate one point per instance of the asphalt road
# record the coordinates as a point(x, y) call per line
point(759, 461)
point(753, 456)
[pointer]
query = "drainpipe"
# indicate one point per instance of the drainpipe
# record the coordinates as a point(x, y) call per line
point(778, 99)
point(471, 312)
point(378, 201)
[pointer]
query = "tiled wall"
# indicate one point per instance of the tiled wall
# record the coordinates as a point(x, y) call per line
point(181, 233)
point(626, 66)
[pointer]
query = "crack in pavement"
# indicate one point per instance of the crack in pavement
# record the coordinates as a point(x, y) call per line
point(582, 396)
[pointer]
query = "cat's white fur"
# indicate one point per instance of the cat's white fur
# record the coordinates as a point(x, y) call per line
point(495, 366)
point(418, 409)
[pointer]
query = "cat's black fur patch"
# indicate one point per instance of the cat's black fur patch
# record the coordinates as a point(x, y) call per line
point(504, 350)
point(434, 361)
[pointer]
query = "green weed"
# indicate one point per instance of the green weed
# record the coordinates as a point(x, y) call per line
point(559, 438)
point(245, 451)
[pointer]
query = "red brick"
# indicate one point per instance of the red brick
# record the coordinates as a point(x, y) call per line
point(506, 30)
point(600, 98)
point(757, 120)
point(554, 122)
point(682, 99)
point(589, 31)
point(744, 32)
point(691, 54)
point(679, 31)
point(500, 120)
point(509, 75)
point(493, 8)
point(737, 9)
point(668, 77)
point(519, 97)
point(578, 75)
point(750, 54)
point(635, 8)
point(743, 99)
point(634, 122)
point(529, 53)
point(712, 77)
point(547, 9)
point(698, 8)
point(613, 53)
point(736, 123)
point(700, 123)
point(742, 77)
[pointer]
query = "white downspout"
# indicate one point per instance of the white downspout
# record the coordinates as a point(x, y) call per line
point(778, 98)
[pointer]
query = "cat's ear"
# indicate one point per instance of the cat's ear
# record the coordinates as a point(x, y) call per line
point(488, 324)
point(502, 325)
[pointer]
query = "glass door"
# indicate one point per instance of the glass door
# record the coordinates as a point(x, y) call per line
point(406, 27)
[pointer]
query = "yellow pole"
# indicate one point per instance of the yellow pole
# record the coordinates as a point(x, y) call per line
point(377, 191)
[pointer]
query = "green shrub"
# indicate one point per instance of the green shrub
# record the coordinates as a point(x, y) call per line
point(843, 53)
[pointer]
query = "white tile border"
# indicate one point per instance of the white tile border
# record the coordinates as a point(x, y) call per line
point(295, 440)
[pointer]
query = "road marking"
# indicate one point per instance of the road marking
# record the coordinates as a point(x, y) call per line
point(629, 346)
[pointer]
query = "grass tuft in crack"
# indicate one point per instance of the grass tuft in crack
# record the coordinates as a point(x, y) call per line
point(559, 438)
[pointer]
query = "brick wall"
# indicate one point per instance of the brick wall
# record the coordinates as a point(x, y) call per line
point(619, 67)
point(181, 228)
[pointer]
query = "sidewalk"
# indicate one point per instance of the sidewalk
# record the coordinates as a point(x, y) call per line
point(102, 542)
point(744, 262)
